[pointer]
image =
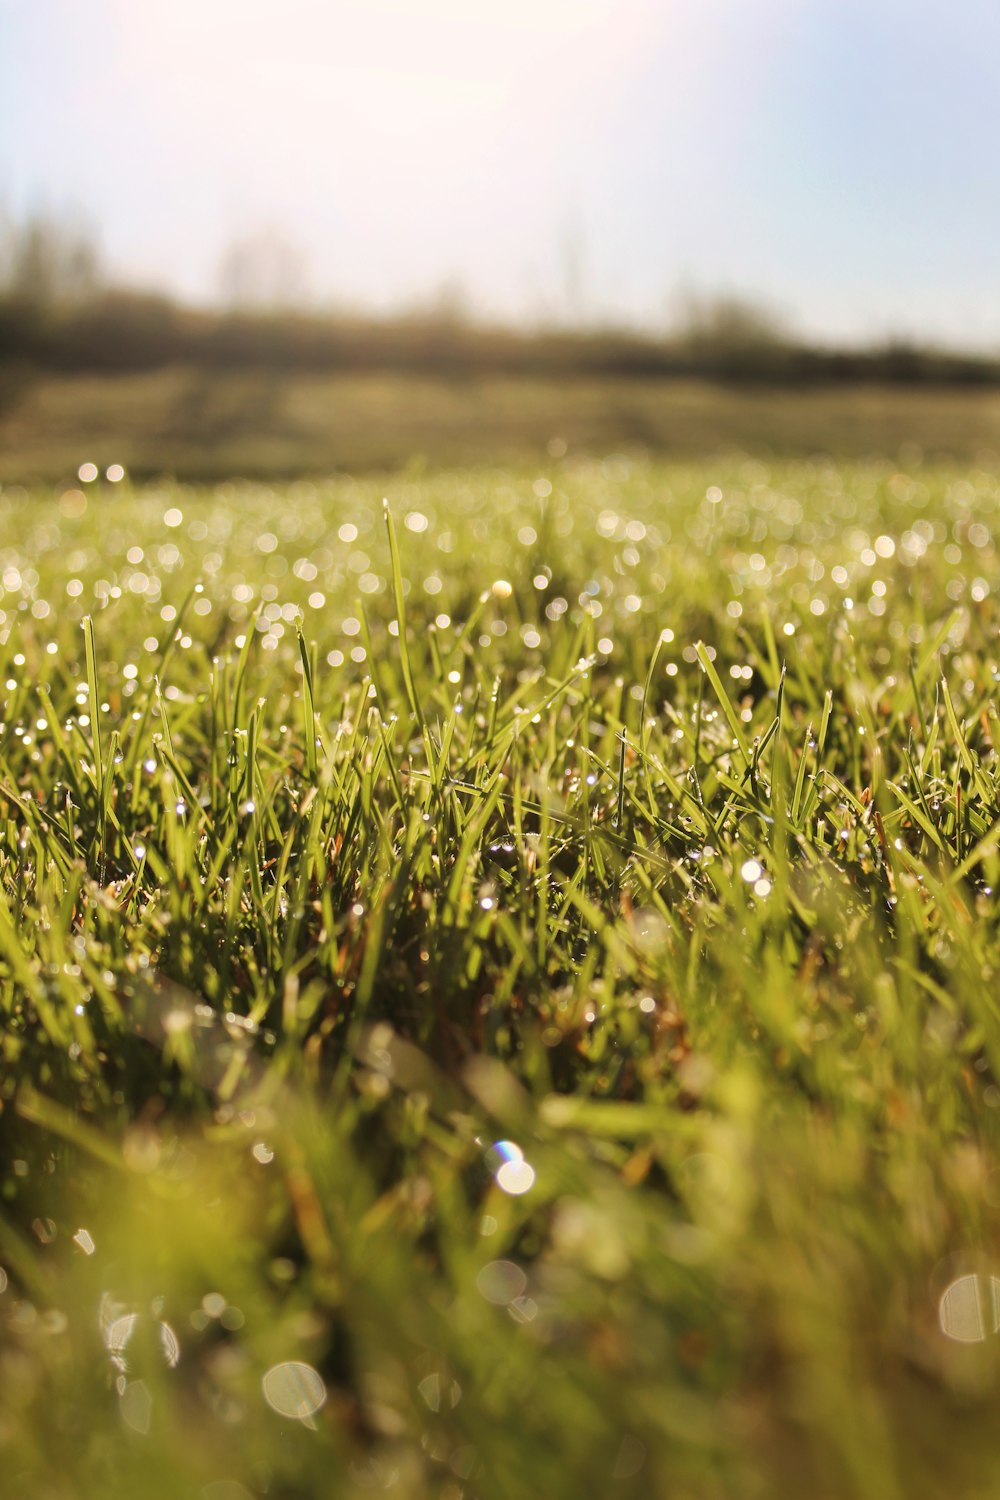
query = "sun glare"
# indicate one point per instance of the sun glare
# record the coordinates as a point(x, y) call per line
point(338, 123)
point(467, 51)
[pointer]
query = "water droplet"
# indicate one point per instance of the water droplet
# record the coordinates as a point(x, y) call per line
point(970, 1308)
point(294, 1389)
point(500, 1281)
point(516, 1177)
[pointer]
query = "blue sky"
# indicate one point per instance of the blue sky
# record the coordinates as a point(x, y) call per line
point(833, 157)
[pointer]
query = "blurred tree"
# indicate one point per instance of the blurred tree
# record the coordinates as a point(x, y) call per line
point(265, 271)
point(728, 322)
point(573, 259)
point(447, 305)
point(47, 260)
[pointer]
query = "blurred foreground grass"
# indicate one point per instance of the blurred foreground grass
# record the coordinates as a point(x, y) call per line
point(209, 425)
point(501, 1000)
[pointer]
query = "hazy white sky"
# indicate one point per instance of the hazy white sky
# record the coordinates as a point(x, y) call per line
point(836, 157)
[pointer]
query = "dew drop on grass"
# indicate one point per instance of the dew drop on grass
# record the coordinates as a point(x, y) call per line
point(294, 1389)
point(969, 1309)
point(513, 1174)
point(136, 1406)
point(501, 1152)
point(516, 1177)
point(170, 1344)
point(500, 1281)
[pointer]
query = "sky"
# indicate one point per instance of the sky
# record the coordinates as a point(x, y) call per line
point(555, 159)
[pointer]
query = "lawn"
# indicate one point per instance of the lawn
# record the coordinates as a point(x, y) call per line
point(499, 988)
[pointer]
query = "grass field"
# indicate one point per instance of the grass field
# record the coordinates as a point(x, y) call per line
point(500, 995)
point(207, 425)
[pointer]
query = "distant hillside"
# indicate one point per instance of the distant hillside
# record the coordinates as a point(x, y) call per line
point(271, 423)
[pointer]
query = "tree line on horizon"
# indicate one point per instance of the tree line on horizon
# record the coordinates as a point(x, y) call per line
point(60, 312)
